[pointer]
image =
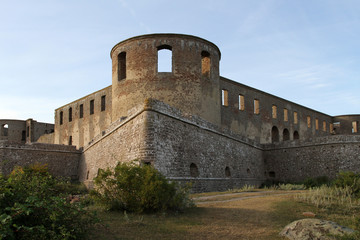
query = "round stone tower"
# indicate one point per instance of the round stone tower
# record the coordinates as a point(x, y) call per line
point(191, 82)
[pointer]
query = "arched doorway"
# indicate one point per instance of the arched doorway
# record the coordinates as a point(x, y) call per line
point(286, 135)
point(274, 134)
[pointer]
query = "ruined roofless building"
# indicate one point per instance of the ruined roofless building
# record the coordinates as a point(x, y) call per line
point(188, 122)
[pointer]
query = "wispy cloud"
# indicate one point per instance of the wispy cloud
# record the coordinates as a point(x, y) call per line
point(135, 16)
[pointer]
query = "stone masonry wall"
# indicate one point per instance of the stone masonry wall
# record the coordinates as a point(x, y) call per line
point(61, 160)
point(325, 156)
point(122, 143)
point(177, 142)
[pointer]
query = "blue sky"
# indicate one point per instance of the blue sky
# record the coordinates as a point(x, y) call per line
point(53, 52)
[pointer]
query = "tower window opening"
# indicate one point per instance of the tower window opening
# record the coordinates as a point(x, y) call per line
point(122, 66)
point(224, 98)
point(205, 64)
point(241, 103)
point(103, 103)
point(256, 106)
point(70, 114)
point(91, 107)
point(70, 140)
point(164, 63)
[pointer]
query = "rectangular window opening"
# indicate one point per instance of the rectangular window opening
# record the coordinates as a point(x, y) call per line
point(81, 110)
point(61, 117)
point(103, 103)
point(122, 66)
point(241, 103)
point(91, 107)
point(224, 98)
point(295, 118)
point(324, 126)
point(316, 124)
point(286, 117)
point(274, 111)
point(70, 114)
point(256, 106)
point(308, 119)
point(355, 126)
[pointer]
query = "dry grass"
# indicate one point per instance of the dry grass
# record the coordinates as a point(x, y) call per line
point(240, 219)
point(262, 216)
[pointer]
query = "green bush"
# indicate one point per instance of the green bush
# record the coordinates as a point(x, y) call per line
point(32, 208)
point(348, 179)
point(135, 188)
point(316, 182)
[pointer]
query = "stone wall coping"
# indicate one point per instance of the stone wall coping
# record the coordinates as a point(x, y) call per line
point(166, 35)
point(39, 147)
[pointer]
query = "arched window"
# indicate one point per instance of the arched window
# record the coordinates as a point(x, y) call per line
point(274, 134)
point(296, 135)
point(286, 135)
point(194, 171)
point(122, 66)
point(227, 172)
point(205, 64)
point(5, 130)
point(164, 58)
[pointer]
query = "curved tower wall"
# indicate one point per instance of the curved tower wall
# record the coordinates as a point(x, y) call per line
point(189, 86)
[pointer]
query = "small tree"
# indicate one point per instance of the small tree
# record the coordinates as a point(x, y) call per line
point(138, 188)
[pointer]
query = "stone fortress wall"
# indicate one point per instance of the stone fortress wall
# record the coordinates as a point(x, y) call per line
point(194, 125)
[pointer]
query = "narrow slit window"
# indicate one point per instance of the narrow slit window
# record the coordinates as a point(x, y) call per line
point(122, 66)
point(70, 114)
point(103, 103)
point(205, 64)
point(61, 117)
point(308, 119)
point(241, 103)
point(295, 118)
point(224, 98)
point(324, 126)
point(81, 110)
point(354, 128)
point(91, 107)
point(70, 140)
point(256, 106)
point(274, 111)
point(286, 117)
point(316, 124)
point(164, 58)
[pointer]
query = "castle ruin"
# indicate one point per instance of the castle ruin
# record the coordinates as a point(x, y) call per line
point(187, 121)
